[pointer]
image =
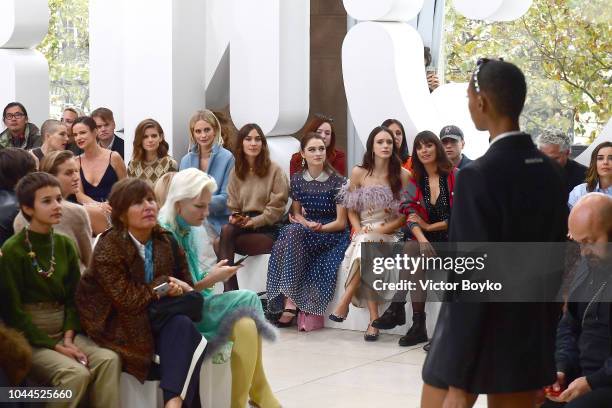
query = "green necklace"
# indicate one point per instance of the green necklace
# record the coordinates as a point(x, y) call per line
point(35, 264)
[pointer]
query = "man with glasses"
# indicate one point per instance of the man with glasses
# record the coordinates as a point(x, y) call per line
point(107, 138)
point(19, 132)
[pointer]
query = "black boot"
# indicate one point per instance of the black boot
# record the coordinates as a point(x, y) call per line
point(395, 315)
point(417, 333)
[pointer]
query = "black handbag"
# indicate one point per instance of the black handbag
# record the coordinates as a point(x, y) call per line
point(189, 304)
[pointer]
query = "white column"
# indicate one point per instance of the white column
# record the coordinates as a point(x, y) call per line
point(24, 72)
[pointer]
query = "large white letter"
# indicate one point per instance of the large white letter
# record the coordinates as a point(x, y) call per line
point(24, 73)
point(269, 53)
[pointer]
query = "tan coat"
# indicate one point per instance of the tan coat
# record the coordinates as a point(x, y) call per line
point(112, 297)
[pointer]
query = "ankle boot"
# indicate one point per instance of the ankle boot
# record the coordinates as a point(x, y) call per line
point(395, 315)
point(417, 333)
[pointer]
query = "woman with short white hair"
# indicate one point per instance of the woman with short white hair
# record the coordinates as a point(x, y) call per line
point(235, 316)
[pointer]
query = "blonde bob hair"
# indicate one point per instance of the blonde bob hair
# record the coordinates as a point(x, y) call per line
point(207, 116)
point(185, 185)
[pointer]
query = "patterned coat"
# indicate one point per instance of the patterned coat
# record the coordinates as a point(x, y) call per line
point(112, 297)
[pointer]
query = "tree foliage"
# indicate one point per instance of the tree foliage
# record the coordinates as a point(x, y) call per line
point(564, 47)
point(66, 48)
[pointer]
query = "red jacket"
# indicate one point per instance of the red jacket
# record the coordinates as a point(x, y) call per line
point(412, 197)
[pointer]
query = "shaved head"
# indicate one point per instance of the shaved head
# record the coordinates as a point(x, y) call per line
point(590, 224)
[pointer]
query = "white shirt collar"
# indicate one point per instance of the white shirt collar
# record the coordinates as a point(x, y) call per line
point(320, 178)
point(505, 135)
point(110, 145)
point(139, 246)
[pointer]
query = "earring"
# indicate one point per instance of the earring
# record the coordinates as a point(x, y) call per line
point(303, 163)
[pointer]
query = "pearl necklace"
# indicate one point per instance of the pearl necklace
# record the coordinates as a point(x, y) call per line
point(35, 264)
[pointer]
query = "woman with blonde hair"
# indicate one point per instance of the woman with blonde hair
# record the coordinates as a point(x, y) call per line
point(208, 155)
point(237, 315)
point(150, 158)
point(55, 137)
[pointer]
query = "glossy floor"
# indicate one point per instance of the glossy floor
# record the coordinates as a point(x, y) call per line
point(334, 368)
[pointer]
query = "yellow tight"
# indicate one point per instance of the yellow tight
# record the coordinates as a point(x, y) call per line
point(248, 377)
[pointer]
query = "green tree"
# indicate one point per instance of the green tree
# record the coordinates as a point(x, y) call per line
point(66, 48)
point(564, 47)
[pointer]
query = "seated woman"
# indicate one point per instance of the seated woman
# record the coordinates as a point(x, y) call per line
point(208, 155)
point(599, 174)
point(308, 252)
point(75, 221)
point(323, 126)
point(426, 203)
point(372, 199)
point(150, 158)
point(114, 295)
point(399, 137)
point(257, 196)
point(55, 137)
point(236, 315)
point(99, 168)
point(39, 274)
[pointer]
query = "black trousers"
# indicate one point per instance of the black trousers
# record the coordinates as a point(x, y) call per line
point(180, 348)
point(599, 398)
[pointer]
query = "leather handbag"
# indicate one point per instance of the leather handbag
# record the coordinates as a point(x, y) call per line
point(189, 304)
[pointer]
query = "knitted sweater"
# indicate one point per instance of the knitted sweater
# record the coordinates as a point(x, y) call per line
point(267, 195)
point(151, 171)
point(21, 284)
point(74, 224)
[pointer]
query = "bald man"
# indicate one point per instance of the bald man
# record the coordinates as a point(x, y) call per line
point(584, 335)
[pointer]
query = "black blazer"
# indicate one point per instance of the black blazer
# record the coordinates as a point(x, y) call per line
point(513, 193)
point(118, 146)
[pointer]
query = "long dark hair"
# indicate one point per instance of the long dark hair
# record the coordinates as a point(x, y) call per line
point(262, 161)
point(304, 142)
point(395, 165)
point(138, 151)
point(444, 165)
point(592, 178)
point(403, 150)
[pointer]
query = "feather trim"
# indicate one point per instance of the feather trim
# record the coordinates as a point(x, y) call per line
point(369, 197)
point(265, 329)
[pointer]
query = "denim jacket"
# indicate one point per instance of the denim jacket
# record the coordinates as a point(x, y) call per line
point(220, 165)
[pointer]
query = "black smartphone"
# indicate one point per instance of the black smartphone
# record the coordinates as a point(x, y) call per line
point(238, 262)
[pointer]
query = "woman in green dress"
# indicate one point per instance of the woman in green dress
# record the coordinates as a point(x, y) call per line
point(235, 316)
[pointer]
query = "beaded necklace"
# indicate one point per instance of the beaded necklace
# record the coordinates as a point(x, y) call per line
point(35, 264)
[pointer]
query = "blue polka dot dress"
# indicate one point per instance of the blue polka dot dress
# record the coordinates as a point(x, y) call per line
point(304, 263)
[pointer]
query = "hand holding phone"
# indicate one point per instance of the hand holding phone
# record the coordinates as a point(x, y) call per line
point(162, 290)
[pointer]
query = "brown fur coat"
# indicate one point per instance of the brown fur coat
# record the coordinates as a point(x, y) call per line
point(113, 297)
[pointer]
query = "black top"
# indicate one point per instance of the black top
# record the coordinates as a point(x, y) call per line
point(102, 190)
point(575, 173)
point(118, 146)
point(38, 153)
point(463, 162)
point(440, 211)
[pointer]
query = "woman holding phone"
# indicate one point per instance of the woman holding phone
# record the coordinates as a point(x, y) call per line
point(130, 261)
point(257, 195)
point(235, 316)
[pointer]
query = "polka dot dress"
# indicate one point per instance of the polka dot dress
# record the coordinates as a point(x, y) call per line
point(440, 211)
point(304, 263)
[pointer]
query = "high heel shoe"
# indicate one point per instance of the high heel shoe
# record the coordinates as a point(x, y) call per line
point(291, 322)
point(370, 337)
point(337, 319)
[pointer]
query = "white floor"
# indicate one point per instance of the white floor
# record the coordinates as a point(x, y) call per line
point(335, 368)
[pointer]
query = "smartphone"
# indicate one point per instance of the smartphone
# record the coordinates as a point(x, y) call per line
point(162, 290)
point(238, 262)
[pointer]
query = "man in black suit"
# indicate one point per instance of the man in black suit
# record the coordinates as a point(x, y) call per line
point(513, 193)
point(556, 145)
point(105, 121)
